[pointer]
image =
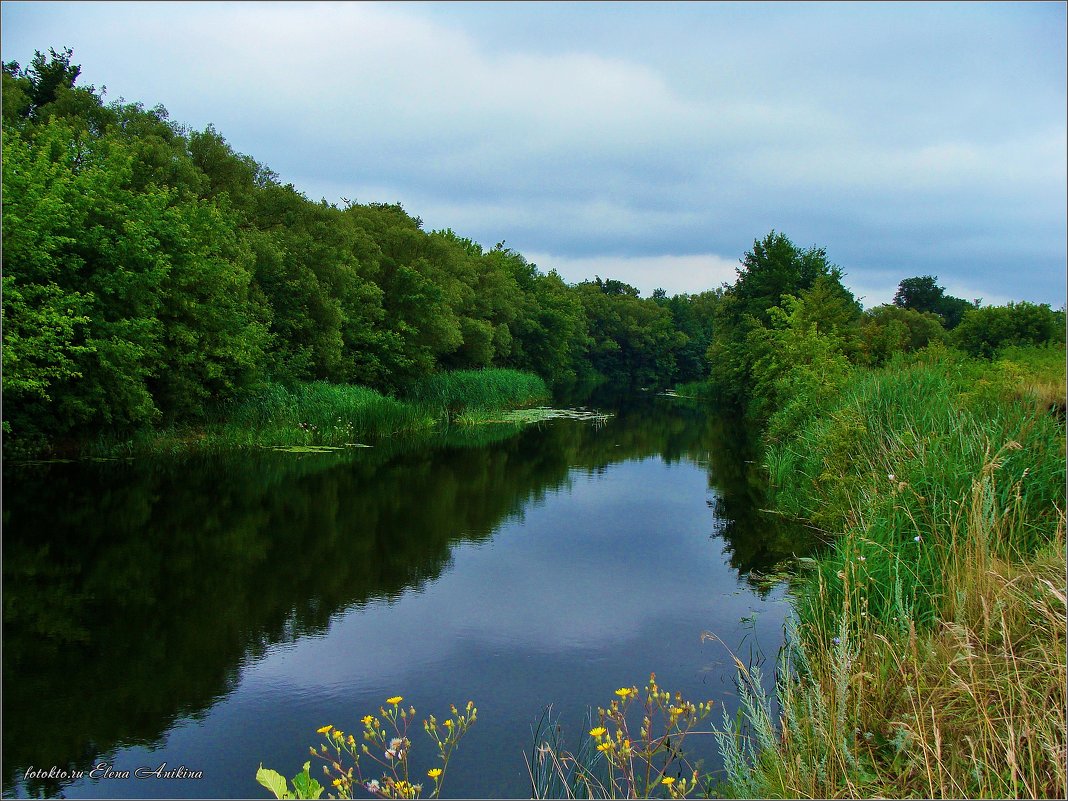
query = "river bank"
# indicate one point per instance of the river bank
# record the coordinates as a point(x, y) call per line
point(928, 656)
point(323, 415)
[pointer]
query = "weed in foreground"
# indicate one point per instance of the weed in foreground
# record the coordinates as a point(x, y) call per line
point(635, 750)
point(386, 744)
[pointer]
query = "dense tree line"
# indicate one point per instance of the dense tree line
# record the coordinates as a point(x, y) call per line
point(150, 272)
point(787, 332)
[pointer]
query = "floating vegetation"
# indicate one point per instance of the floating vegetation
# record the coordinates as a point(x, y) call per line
point(537, 414)
point(306, 448)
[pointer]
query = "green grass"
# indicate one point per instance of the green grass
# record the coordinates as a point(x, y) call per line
point(1037, 373)
point(929, 653)
point(461, 390)
point(694, 389)
point(323, 414)
point(320, 413)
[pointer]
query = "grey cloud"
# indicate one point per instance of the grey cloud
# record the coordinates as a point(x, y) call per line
point(904, 139)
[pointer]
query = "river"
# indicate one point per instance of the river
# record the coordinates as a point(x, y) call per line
point(212, 611)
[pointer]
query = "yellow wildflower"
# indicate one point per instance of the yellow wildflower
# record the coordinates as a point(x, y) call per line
point(668, 780)
point(324, 729)
point(366, 720)
point(396, 699)
point(605, 746)
point(338, 734)
point(337, 782)
point(624, 692)
point(448, 723)
point(433, 773)
point(600, 731)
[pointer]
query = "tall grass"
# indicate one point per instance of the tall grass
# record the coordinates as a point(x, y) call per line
point(320, 412)
point(333, 414)
point(460, 390)
point(695, 389)
point(929, 652)
point(1037, 372)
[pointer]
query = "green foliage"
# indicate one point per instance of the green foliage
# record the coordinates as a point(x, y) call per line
point(983, 331)
point(797, 369)
point(895, 456)
point(321, 413)
point(889, 329)
point(926, 640)
point(304, 786)
point(750, 345)
point(459, 390)
point(923, 294)
point(632, 339)
point(153, 276)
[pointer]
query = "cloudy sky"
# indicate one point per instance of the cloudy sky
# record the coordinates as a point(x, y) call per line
point(650, 143)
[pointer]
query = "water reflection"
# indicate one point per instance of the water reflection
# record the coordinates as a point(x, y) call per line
point(139, 594)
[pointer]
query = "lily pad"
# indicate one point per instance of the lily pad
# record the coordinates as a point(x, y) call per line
point(540, 413)
point(306, 448)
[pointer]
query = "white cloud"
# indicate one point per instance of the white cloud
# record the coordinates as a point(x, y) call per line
point(675, 274)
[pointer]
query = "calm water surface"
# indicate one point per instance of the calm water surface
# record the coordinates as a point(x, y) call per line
point(213, 611)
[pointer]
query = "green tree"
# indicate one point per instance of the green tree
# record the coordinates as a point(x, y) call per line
point(923, 294)
point(773, 268)
point(797, 368)
point(985, 330)
point(889, 329)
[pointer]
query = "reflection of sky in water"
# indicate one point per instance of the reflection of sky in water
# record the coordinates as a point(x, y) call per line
point(588, 590)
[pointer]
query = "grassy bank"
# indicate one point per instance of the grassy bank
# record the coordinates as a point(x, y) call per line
point(337, 415)
point(929, 653)
point(331, 414)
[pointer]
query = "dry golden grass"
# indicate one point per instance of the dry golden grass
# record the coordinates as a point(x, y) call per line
point(973, 707)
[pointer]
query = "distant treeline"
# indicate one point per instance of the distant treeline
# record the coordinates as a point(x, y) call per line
point(151, 273)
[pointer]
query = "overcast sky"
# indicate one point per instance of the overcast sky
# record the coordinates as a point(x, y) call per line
point(649, 143)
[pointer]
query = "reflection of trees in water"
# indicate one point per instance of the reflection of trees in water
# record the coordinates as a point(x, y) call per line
point(134, 592)
point(755, 539)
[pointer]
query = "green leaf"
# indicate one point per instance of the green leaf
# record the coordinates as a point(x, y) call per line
point(273, 781)
point(305, 785)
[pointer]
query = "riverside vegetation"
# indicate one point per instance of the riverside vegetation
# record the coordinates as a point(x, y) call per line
point(157, 283)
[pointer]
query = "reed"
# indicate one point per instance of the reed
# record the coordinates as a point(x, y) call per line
point(461, 390)
point(317, 413)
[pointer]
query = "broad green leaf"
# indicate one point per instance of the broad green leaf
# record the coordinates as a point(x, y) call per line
point(273, 781)
point(305, 785)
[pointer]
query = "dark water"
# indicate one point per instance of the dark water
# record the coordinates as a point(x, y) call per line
point(213, 611)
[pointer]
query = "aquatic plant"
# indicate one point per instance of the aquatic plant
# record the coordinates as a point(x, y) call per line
point(459, 390)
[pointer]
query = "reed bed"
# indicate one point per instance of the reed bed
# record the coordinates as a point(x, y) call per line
point(460, 390)
point(333, 414)
point(318, 413)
